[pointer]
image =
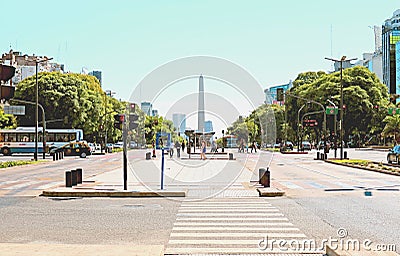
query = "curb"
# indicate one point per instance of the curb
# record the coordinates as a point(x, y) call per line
point(60, 193)
point(364, 168)
point(294, 153)
point(270, 192)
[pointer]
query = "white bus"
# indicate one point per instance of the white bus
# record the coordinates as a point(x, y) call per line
point(22, 139)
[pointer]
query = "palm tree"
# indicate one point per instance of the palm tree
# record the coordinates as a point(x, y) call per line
point(392, 126)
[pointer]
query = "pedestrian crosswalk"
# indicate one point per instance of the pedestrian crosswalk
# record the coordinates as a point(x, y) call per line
point(24, 186)
point(231, 226)
point(331, 184)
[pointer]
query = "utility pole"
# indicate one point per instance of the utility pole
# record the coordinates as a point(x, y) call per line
point(341, 124)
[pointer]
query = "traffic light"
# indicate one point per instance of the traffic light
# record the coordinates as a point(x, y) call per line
point(132, 107)
point(279, 94)
point(132, 121)
point(119, 120)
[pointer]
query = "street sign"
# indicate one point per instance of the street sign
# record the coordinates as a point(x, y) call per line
point(394, 111)
point(14, 110)
point(332, 111)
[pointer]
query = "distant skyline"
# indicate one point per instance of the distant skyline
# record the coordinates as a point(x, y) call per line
point(126, 40)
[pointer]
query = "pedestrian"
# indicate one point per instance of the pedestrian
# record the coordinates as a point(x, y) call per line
point(213, 147)
point(154, 149)
point(203, 151)
point(178, 149)
point(254, 146)
point(171, 150)
point(183, 145)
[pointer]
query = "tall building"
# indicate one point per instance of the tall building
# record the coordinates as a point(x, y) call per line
point(391, 58)
point(97, 74)
point(200, 111)
point(179, 121)
point(147, 108)
point(208, 126)
point(271, 93)
point(25, 66)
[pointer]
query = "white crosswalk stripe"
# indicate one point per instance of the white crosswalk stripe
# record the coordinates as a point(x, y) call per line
point(231, 226)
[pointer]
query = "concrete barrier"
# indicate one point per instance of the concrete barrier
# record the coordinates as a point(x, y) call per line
point(265, 179)
point(68, 179)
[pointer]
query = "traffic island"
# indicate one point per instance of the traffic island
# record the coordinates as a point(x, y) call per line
point(294, 152)
point(68, 192)
point(270, 192)
point(367, 165)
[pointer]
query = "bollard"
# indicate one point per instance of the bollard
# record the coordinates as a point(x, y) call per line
point(62, 155)
point(345, 154)
point(148, 155)
point(56, 153)
point(79, 175)
point(54, 157)
point(230, 156)
point(68, 179)
point(318, 155)
point(325, 156)
point(73, 178)
point(265, 178)
point(261, 172)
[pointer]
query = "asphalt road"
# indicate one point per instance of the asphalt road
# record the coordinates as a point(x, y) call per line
point(318, 213)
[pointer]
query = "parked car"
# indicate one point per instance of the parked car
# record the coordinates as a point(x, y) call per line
point(305, 145)
point(393, 155)
point(133, 144)
point(92, 147)
point(277, 145)
point(289, 145)
point(109, 147)
point(119, 144)
point(79, 148)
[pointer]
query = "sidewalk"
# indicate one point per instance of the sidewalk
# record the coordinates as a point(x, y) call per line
point(110, 184)
point(9, 249)
point(180, 176)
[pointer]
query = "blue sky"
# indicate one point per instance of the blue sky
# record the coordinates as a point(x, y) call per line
point(273, 40)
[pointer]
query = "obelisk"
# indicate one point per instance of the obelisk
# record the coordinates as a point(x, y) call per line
point(200, 111)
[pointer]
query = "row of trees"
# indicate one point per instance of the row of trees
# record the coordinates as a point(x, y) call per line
point(78, 101)
point(366, 103)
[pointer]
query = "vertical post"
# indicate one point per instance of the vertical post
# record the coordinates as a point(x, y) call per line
point(162, 168)
point(125, 160)
point(341, 108)
point(35, 156)
point(44, 132)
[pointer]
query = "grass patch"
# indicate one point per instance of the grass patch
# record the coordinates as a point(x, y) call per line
point(353, 161)
point(16, 163)
point(115, 150)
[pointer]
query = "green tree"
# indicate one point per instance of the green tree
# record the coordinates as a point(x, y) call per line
point(365, 98)
point(392, 127)
point(156, 124)
point(7, 121)
point(70, 101)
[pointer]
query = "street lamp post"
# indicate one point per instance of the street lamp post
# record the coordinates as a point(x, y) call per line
point(341, 125)
point(35, 156)
point(298, 127)
point(334, 123)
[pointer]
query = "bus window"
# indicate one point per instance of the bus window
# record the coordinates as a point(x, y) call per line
point(10, 137)
point(50, 137)
point(1, 137)
point(72, 137)
point(23, 137)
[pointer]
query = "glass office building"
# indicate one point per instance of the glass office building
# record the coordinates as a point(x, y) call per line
point(390, 58)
